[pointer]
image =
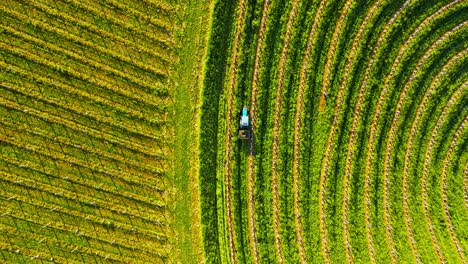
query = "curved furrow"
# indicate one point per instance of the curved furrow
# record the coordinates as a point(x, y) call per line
point(331, 55)
point(391, 140)
point(276, 132)
point(435, 83)
point(375, 121)
point(230, 102)
point(465, 186)
point(355, 122)
point(444, 186)
point(298, 120)
point(253, 115)
point(336, 118)
point(351, 57)
point(428, 160)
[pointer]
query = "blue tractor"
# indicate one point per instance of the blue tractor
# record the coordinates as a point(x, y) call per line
point(244, 124)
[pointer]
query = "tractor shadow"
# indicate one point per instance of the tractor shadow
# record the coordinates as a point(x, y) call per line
point(247, 144)
point(252, 144)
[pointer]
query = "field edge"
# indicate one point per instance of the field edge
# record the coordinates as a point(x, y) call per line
point(192, 38)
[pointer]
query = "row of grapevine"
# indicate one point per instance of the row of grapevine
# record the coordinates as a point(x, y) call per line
point(97, 78)
point(70, 93)
point(85, 61)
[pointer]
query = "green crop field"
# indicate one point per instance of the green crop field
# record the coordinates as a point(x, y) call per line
point(119, 128)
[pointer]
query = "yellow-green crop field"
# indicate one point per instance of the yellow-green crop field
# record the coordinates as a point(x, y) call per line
point(86, 131)
point(119, 131)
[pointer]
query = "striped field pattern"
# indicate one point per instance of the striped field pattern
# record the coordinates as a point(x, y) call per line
point(359, 150)
point(85, 131)
point(110, 125)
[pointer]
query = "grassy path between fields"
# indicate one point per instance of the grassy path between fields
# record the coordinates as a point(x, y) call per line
point(192, 51)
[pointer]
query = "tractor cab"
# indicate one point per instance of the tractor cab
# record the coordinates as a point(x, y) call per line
point(244, 124)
